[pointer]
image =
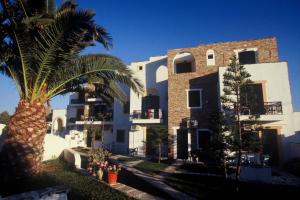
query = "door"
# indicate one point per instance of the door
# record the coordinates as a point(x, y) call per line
point(182, 144)
point(203, 139)
point(270, 145)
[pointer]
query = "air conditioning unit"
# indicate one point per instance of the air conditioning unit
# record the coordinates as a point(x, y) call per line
point(191, 123)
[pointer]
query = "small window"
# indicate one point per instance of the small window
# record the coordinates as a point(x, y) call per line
point(247, 57)
point(195, 98)
point(210, 56)
point(120, 136)
point(140, 68)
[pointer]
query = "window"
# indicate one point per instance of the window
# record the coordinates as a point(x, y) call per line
point(247, 57)
point(184, 62)
point(194, 98)
point(183, 67)
point(210, 57)
point(120, 136)
point(140, 68)
point(150, 102)
point(252, 99)
point(126, 107)
point(203, 138)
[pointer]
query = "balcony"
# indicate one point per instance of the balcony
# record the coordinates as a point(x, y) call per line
point(150, 116)
point(81, 120)
point(269, 111)
point(94, 99)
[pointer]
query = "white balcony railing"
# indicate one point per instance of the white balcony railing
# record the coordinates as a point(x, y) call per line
point(150, 116)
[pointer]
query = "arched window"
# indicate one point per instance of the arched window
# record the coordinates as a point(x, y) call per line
point(184, 63)
point(210, 57)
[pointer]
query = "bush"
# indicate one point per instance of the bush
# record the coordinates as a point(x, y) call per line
point(58, 173)
point(292, 166)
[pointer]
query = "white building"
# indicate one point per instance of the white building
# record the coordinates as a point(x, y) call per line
point(85, 112)
point(152, 106)
point(277, 117)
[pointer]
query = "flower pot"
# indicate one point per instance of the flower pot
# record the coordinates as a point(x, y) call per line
point(112, 178)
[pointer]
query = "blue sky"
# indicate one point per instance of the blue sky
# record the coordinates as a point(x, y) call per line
point(143, 28)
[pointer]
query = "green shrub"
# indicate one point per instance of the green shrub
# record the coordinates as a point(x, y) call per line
point(58, 173)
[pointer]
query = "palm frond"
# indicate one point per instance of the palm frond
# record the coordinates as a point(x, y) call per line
point(42, 51)
point(103, 67)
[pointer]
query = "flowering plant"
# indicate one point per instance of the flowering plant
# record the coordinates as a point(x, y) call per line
point(113, 168)
point(97, 160)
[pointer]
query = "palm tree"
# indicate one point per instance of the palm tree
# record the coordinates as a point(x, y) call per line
point(40, 51)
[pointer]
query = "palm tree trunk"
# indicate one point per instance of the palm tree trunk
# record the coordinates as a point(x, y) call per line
point(23, 146)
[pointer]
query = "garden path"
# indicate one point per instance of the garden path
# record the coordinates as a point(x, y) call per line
point(155, 180)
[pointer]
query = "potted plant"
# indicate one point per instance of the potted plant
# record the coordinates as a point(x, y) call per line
point(98, 162)
point(112, 174)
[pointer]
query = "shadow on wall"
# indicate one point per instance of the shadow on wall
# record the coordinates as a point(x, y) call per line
point(209, 98)
point(209, 103)
point(203, 100)
point(291, 145)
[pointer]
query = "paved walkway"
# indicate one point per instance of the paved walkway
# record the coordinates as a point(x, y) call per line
point(155, 180)
point(132, 192)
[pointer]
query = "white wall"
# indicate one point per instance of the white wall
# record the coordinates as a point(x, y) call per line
point(54, 145)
